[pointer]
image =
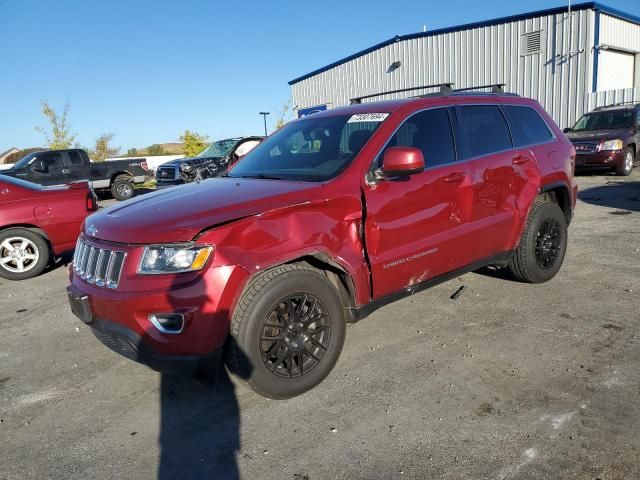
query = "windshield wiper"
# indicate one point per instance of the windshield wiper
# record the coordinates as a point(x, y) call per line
point(261, 176)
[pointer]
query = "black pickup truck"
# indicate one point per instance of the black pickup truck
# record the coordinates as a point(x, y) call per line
point(57, 167)
point(211, 162)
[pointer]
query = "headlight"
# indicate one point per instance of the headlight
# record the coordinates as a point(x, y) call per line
point(611, 145)
point(173, 258)
point(185, 167)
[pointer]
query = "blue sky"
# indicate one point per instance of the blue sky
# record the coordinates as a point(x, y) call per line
point(147, 70)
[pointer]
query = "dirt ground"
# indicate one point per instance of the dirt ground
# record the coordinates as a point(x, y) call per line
point(508, 381)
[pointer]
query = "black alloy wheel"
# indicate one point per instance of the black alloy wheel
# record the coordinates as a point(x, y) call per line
point(295, 335)
point(548, 240)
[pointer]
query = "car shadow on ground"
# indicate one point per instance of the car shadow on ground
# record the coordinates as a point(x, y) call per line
point(199, 429)
point(199, 419)
point(621, 195)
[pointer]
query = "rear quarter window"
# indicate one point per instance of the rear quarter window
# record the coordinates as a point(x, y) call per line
point(527, 127)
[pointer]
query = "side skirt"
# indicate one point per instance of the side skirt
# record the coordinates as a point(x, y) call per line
point(365, 310)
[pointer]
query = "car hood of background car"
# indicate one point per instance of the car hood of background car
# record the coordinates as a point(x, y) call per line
point(178, 214)
point(596, 135)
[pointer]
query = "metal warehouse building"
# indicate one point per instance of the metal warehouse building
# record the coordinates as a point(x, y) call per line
point(571, 60)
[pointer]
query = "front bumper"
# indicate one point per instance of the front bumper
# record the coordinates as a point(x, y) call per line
point(129, 344)
point(613, 158)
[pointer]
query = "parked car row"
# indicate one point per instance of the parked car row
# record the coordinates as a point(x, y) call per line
point(331, 217)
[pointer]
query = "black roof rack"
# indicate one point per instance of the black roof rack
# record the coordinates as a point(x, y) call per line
point(635, 103)
point(445, 88)
point(495, 88)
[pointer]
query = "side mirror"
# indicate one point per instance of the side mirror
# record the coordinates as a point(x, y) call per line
point(567, 130)
point(39, 166)
point(402, 162)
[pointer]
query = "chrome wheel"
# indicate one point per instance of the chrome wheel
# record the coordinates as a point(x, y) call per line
point(18, 254)
point(124, 190)
point(628, 161)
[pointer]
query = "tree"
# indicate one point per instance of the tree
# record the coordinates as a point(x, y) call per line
point(285, 115)
point(132, 152)
point(156, 149)
point(102, 148)
point(59, 138)
point(194, 143)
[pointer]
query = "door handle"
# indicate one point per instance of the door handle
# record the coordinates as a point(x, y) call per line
point(520, 159)
point(455, 177)
point(65, 170)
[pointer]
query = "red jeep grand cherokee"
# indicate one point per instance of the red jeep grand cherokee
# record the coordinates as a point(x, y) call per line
point(331, 217)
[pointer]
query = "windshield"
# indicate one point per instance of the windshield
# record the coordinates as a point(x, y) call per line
point(26, 160)
point(218, 149)
point(313, 149)
point(605, 120)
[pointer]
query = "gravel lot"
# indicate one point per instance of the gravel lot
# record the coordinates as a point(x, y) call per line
point(507, 381)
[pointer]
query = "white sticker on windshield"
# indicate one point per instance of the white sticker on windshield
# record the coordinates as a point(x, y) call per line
point(368, 117)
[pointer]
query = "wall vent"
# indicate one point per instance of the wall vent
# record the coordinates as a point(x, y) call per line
point(531, 43)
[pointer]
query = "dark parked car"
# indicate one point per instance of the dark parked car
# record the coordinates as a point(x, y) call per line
point(58, 167)
point(332, 216)
point(38, 223)
point(608, 138)
point(211, 162)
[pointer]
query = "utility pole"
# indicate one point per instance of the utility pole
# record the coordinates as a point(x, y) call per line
point(264, 116)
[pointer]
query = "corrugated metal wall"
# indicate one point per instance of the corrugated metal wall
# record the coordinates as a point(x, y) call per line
point(615, 32)
point(560, 77)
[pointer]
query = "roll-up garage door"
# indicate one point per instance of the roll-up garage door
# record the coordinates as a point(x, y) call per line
point(615, 70)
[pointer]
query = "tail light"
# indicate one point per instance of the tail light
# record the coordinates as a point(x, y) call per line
point(144, 165)
point(92, 202)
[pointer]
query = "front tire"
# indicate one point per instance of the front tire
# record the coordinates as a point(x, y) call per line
point(543, 244)
point(287, 331)
point(624, 170)
point(23, 254)
point(122, 188)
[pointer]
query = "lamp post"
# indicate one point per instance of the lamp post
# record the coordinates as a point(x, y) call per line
point(264, 116)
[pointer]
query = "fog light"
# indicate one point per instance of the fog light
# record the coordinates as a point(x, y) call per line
point(168, 322)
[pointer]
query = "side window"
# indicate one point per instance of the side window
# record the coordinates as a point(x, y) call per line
point(52, 159)
point(638, 119)
point(430, 131)
point(75, 158)
point(527, 127)
point(483, 129)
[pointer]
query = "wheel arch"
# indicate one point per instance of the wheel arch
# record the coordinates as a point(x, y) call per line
point(559, 193)
point(121, 173)
point(29, 227)
point(335, 272)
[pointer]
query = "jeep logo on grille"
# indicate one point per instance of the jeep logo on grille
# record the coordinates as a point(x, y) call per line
point(582, 147)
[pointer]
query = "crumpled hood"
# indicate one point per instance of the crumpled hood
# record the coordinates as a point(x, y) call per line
point(178, 214)
point(589, 136)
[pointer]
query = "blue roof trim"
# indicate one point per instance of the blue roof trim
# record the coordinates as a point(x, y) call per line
point(487, 23)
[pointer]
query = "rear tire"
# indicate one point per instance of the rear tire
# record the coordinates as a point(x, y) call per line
point(122, 188)
point(541, 251)
point(625, 169)
point(23, 254)
point(287, 331)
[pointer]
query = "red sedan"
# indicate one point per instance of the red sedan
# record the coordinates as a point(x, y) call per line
point(39, 223)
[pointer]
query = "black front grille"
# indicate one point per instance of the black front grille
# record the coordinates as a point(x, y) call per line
point(166, 173)
point(585, 147)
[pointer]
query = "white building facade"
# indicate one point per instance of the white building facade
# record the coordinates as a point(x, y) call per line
point(570, 60)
